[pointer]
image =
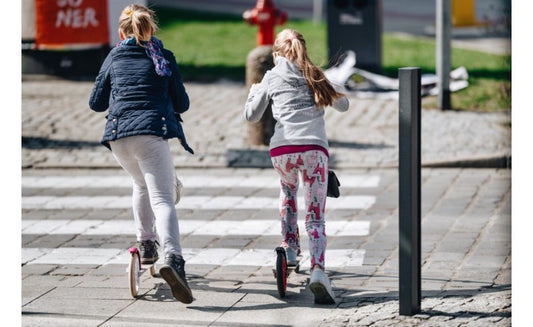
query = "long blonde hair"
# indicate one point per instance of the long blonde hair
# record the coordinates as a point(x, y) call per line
point(291, 45)
point(137, 21)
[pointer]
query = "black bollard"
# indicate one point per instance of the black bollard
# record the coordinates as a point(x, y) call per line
point(260, 60)
point(409, 190)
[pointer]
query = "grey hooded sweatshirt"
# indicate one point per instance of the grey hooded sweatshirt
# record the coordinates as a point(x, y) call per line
point(298, 120)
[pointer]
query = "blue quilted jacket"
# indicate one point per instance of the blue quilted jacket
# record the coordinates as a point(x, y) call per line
point(140, 102)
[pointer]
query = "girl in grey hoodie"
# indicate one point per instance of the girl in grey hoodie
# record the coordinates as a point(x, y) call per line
point(299, 92)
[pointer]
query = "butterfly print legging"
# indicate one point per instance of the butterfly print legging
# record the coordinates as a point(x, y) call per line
point(313, 166)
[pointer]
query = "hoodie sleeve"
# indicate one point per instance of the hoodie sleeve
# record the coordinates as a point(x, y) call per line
point(257, 101)
point(341, 104)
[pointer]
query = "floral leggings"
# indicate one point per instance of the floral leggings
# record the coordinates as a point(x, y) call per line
point(314, 167)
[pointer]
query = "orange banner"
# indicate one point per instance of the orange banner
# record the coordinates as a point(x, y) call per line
point(71, 22)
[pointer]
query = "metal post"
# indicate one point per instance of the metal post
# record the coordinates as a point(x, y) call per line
point(444, 27)
point(317, 11)
point(409, 190)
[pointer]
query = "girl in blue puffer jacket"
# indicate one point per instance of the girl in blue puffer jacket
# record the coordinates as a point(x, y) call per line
point(140, 83)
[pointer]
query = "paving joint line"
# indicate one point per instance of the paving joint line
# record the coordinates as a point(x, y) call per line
point(228, 309)
point(428, 214)
point(481, 233)
point(379, 272)
point(484, 231)
point(383, 225)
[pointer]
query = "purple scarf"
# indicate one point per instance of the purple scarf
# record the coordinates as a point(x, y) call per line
point(153, 50)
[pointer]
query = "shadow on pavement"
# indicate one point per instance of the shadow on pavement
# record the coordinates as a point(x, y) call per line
point(245, 158)
point(31, 142)
point(355, 145)
point(355, 298)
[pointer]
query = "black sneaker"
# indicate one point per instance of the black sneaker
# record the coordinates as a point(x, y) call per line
point(148, 251)
point(173, 272)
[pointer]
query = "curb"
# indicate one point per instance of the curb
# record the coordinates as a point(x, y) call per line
point(492, 162)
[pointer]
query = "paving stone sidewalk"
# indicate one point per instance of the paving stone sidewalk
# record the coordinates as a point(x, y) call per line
point(466, 262)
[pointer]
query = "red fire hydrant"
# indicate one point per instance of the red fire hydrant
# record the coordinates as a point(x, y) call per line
point(266, 16)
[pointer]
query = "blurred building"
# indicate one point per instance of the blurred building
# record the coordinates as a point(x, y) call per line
point(69, 38)
point(408, 16)
point(59, 35)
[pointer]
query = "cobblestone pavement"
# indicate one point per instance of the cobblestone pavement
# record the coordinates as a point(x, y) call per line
point(466, 255)
point(59, 130)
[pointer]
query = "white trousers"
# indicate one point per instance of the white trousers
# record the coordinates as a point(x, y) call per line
point(148, 161)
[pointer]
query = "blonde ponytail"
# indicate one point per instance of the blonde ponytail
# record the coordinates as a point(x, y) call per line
point(139, 22)
point(291, 45)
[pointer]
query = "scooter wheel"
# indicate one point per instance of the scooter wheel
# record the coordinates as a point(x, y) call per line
point(134, 271)
point(281, 273)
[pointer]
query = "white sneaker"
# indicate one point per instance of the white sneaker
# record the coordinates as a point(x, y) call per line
point(178, 190)
point(321, 288)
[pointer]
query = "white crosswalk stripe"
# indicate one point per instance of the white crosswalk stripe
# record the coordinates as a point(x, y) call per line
point(200, 181)
point(188, 227)
point(211, 256)
point(188, 202)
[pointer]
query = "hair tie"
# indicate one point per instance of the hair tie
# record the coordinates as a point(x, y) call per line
point(128, 12)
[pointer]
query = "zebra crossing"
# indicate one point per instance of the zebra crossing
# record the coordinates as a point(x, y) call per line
point(188, 202)
point(232, 192)
point(191, 202)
